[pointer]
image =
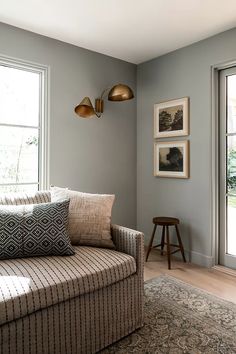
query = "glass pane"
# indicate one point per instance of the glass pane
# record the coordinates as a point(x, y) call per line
point(27, 188)
point(18, 155)
point(19, 97)
point(231, 226)
point(231, 164)
point(231, 104)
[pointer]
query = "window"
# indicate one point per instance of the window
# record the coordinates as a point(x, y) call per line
point(227, 202)
point(23, 127)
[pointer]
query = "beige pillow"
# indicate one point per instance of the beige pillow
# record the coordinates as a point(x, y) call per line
point(89, 217)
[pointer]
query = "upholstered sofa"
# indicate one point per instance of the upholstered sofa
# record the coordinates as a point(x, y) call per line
point(72, 304)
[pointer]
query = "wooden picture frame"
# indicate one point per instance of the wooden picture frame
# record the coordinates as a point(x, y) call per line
point(171, 118)
point(171, 159)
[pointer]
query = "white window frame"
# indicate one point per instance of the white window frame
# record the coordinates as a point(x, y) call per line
point(215, 151)
point(43, 128)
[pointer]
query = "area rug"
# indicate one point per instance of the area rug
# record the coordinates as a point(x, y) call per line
point(181, 319)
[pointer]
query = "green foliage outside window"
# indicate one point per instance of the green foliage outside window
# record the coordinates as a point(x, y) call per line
point(231, 175)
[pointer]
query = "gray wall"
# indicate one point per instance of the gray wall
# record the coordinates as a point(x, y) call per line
point(96, 155)
point(185, 72)
point(99, 155)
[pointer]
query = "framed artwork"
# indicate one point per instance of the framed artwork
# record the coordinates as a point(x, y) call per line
point(171, 159)
point(171, 118)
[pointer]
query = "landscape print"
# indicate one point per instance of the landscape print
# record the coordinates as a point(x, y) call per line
point(171, 159)
point(171, 118)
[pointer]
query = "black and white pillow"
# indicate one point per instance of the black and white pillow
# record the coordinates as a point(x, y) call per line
point(34, 230)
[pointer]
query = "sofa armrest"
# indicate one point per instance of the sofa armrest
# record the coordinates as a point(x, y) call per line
point(131, 242)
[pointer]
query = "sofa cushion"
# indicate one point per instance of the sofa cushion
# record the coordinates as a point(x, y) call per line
point(34, 230)
point(30, 284)
point(89, 217)
point(25, 198)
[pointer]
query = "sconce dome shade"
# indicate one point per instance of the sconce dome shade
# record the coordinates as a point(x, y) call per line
point(120, 92)
point(85, 108)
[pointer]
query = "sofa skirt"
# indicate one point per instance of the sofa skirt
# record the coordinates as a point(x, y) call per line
point(85, 324)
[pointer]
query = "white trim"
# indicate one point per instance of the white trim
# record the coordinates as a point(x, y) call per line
point(18, 126)
point(225, 258)
point(230, 134)
point(45, 131)
point(200, 259)
point(22, 64)
point(18, 184)
point(225, 270)
point(44, 125)
point(197, 258)
point(214, 178)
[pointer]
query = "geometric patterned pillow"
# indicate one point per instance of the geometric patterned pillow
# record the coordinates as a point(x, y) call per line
point(34, 230)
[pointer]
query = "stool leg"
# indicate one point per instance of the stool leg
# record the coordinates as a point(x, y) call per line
point(151, 241)
point(180, 243)
point(162, 240)
point(168, 246)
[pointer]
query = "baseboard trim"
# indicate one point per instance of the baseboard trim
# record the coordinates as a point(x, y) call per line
point(198, 258)
point(225, 270)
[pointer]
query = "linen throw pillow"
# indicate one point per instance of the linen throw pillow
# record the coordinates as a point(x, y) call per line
point(89, 217)
point(34, 230)
point(25, 198)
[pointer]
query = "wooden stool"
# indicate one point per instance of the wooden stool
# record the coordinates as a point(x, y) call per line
point(165, 223)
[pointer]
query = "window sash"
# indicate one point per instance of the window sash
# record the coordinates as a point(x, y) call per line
point(19, 126)
point(18, 184)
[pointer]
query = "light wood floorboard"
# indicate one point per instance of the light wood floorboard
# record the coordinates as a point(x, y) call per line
point(211, 280)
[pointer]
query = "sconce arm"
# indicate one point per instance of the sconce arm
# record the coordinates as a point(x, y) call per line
point(99, 103)
point(103, 92)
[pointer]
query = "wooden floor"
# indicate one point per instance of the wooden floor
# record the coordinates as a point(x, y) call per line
point(211, 280)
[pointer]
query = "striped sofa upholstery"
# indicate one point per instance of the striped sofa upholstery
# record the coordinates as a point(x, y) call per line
point(76, 304)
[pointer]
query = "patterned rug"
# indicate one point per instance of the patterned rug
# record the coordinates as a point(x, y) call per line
point(181, 319)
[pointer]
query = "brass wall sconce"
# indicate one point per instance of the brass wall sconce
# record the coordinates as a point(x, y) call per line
point(118, 92)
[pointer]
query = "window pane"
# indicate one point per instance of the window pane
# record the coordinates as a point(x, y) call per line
point(18, 155)
point(231, 234)
point(231, 104)
point(19, 96)
point(231, 164)
point(26, 188)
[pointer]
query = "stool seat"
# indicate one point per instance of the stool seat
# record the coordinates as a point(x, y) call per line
point(165, 221)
